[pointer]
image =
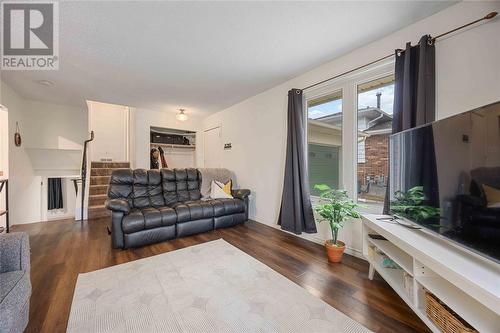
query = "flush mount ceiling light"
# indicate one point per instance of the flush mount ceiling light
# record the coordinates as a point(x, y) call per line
point(181, 115)
point(45, 83)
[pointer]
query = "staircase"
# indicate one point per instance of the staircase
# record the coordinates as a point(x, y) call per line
point(100, 173)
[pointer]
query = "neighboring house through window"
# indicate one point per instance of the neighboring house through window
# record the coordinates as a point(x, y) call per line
point(375, 102)
point(349, 121)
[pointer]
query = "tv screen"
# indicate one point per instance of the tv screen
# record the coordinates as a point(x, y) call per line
point(445, 177)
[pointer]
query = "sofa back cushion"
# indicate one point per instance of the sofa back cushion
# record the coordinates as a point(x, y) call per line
point(147, 190)
point(141, 188)
point(154, 188)
point(180, 185)
point(121, 185)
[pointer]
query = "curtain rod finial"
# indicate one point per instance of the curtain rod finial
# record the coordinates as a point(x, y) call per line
point(491, 15)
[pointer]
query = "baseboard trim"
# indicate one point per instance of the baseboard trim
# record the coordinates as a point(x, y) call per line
point(315, 239)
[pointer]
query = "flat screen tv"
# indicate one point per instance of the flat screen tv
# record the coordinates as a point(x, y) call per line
point(445, 177)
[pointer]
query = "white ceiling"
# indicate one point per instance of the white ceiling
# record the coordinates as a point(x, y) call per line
point(204, 56)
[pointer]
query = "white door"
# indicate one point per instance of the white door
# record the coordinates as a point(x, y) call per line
point(110, 124)
point(212, 148)
point(4, 142)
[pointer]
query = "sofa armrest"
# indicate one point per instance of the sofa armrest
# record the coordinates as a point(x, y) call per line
point(471, 200)
point(118, 205)
point(15, 252)
point(241, 193)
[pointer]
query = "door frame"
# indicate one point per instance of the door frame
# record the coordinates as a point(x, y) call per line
point(205, 141)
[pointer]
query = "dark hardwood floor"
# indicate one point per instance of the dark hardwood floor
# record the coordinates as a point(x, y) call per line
point(60, 250)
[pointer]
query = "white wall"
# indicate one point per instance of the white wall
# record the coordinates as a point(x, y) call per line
point(468, 75)
point(42, 125)
point(141, 122)
point(110, 123)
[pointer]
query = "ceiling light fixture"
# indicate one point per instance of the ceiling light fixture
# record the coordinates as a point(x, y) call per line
point(181, 115)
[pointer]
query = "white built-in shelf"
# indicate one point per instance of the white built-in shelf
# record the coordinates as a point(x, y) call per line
point(174, 131)
point(55, 149)
point(481, 318)
point(401, 258)
point(394, 277)
point(168, 145)
point(467, 284)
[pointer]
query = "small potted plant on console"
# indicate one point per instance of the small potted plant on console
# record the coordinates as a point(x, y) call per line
point(335, 207)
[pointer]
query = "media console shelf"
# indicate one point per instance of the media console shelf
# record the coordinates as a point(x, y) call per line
point(466, 283)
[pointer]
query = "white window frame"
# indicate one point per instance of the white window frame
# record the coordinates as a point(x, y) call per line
point(348, 84)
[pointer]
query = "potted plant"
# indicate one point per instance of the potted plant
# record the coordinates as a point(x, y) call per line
point(411, 204)
point(335, 207)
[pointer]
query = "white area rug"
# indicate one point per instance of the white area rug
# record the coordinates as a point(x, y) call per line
point(211, 287)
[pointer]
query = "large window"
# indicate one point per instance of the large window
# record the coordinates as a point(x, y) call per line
point(349, 121)
point(324, 138)
point(375, 103)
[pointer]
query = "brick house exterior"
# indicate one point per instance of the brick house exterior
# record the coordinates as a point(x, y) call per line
point(374, 128)
point(376, 165)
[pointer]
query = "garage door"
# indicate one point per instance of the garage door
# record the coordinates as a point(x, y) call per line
point(323, 166)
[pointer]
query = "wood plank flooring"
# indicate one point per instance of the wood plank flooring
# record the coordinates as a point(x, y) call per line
point(60, 250)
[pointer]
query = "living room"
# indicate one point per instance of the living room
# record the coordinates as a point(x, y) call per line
point(250, 166)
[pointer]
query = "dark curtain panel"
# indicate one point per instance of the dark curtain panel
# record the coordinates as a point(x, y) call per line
point(421, 165)
point(55, 197)
point(296, 214)
point(414, 89)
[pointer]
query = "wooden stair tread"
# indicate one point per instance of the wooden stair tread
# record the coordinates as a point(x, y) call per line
point(99, 195)
point(115, 168)
point(110, 165)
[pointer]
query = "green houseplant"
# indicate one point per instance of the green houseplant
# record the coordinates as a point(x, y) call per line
point(411, 204)
point(334, 207)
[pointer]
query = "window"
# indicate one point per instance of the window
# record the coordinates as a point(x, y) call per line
point(375, 103)
point(349, 120)
point(324, 139)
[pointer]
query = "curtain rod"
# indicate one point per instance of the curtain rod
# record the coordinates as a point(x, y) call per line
point(487, 17)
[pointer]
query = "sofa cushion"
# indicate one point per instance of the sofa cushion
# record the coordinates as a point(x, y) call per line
point(193, 210)
point(8, 281)
point(224, 207)
point(133, 222)
point(121, 185)
point(140, 192)
point(180, 185)
point(169, 186)
point(16, 291)
point(147, 189)
point(152, 217)
point(168, 215)
point(148, 218)
point(155, 190)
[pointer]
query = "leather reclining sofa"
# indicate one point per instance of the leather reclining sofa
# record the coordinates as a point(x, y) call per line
point(150, 206)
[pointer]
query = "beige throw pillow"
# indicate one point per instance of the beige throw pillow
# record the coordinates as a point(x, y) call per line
point(492, 196)
point(217, 191)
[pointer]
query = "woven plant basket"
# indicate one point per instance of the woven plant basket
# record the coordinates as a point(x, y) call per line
point(444, 318)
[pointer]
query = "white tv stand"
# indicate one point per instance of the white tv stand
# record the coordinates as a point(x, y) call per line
point(467, 284)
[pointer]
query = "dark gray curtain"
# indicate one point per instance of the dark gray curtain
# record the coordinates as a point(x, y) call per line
point(414, 89)
point(55, 198)
point(421, 165)
point(296, 214)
